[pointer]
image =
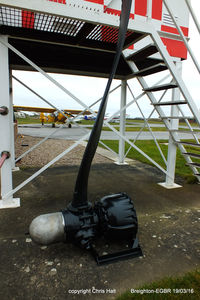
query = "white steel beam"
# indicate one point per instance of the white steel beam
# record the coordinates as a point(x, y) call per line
point(39, 96)
point(122, 121)
point(10, 193)
point(75, 9)
point(149, 128)
point(55, 82)
point(139, 133)
point(169, 9)
point(193, 15)
point(133, 101)
point(72, 9)
point(6, 131)
point(124, 107)
point(175, 74)
point(108, 148)
point(11, 120)
point(55, 131)
point(189, 126)
point(153, 110)
point(39, 143)
point(172, 148)
point(136, 148)
point(49, 103)
point(94, 103)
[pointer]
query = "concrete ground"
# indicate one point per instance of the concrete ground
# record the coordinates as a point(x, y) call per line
point(76, 133)
point(169, 226)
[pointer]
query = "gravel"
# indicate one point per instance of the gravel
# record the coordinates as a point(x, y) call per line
point(48, 150)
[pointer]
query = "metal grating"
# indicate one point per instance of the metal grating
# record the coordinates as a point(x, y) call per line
point(10, 17)
point(105, 34)
point(66, 26)
point(47, 23)
point(43, 22)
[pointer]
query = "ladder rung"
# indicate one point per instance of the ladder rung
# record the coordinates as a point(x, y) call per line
point(151, 70)
point(189, 144)
point(148, 62)
point(161, 87)
point(170, 103)
point(192, 154)
point(143, 53)
point(194, 164)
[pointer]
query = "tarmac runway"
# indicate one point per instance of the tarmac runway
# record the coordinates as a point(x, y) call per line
point(75, 133)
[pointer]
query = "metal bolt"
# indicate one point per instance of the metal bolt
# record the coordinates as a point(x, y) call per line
point(3, 110)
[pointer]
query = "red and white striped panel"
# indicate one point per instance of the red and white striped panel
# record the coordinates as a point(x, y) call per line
point(175, 48)
point(160, 17)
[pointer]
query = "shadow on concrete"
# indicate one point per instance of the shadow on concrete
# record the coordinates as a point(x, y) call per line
point(169, 223)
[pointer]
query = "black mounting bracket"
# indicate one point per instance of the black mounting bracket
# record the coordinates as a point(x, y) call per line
point(133, 251)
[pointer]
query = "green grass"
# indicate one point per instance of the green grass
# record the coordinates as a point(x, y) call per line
point(136, 128)
point(86, 122)
point(184, 287)
point(28, 120)
point(33, 120)
point(151, 150)
point(147, 146)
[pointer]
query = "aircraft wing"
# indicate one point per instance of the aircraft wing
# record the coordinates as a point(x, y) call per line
point(48, 110)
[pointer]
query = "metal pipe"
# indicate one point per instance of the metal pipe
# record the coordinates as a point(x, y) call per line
point(4, 156)
point(80, 191)
point(113, 216)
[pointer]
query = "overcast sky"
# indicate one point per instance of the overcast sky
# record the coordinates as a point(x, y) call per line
point(89, 89)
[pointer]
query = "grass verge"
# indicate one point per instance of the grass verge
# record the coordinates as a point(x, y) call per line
point(184, 287)
point(28, 120)
point(149, 147)
point(136, 128)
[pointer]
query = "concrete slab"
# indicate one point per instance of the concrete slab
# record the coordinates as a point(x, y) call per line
point(170, 186)
point(169, 226)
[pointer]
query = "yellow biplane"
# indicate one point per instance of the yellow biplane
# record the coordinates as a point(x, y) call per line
point(51, 115)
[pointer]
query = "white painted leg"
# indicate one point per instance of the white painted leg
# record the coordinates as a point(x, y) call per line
point(11, 115)
point(122, 122)
point(5, 131)
point(172, 149)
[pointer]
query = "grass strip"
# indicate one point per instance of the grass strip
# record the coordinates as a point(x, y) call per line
point(149, 147)
point(169, 288)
